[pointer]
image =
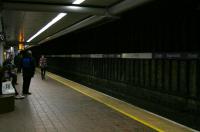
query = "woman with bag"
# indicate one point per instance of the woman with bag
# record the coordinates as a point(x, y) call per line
point(9, 81)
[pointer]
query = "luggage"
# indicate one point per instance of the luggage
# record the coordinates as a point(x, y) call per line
point(7, 88)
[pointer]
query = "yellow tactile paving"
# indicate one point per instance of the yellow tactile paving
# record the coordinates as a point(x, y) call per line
point(149, 119)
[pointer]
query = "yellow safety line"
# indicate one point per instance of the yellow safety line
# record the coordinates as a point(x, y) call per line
point(109, 105)
point(151, 120)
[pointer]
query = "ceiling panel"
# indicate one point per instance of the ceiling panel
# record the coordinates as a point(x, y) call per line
point(99, 3)
point(34, 21)
point(27, 23)
point(16, 22)
point(12, 23)
point(25, 20)
point(65, 22)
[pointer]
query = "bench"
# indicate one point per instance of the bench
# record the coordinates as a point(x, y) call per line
point(7, 103)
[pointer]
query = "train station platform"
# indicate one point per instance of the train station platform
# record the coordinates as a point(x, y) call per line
point(60, 105)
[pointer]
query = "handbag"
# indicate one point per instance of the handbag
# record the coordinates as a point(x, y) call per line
point(7, 88)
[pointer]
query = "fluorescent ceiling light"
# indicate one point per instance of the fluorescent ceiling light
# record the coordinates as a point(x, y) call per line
point(78, 1)
point(57, 18)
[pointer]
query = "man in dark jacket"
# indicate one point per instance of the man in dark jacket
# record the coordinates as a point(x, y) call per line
point(17, 61)
point(28, 68)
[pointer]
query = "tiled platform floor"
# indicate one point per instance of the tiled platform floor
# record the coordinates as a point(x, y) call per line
point(53, 107)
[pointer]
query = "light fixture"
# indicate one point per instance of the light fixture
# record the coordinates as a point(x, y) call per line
point(57, 18)
point(12, 49)
point(21, 46)
point(78, 1)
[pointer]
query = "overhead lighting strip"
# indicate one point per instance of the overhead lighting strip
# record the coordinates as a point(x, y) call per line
point(78, 1)
point(57, 18)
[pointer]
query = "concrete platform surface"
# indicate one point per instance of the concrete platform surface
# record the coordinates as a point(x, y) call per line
point(54, 107)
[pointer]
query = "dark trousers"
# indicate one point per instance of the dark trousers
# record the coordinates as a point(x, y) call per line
point(14, 77)
point(19, 69)
point(14, 81)
point(26, 84)
point(43, 71)
point(13, 84)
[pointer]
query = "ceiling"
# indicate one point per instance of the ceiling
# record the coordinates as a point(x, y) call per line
point(21, 19)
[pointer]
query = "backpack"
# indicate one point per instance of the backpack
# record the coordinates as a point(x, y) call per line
point(26, 63)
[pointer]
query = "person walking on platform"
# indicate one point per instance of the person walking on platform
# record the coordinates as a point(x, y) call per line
point(28, 69)
point(43, 66)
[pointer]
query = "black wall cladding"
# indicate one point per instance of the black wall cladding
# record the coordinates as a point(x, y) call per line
point(166, 86)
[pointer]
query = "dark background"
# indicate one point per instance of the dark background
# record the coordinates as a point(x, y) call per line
point(169, 87)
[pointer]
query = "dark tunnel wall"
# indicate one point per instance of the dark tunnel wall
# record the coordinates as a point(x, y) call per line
point(169, 87)
point(165, 86)
point(154, 27)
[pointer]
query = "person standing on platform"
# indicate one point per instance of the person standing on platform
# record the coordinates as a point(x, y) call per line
point(28, 69)
point(17, 61)
point(43, 66)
